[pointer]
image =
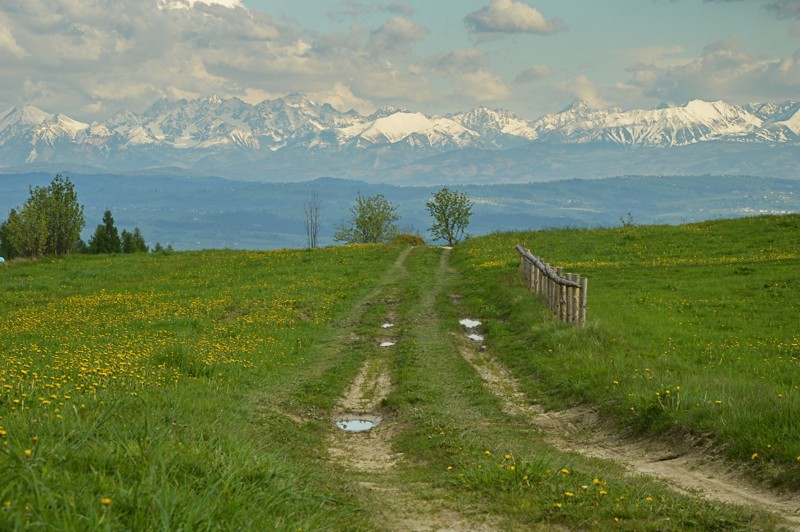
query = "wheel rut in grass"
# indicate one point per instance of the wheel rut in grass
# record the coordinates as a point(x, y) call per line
point(377, 469)
point(580, 430)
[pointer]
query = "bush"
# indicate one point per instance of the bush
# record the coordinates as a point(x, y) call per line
point(409, 240)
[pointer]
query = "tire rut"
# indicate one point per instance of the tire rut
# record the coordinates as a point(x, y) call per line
point(369, 456)
point(581, 430)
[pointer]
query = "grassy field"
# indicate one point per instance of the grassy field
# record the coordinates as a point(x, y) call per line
point(129, 386)
point(693, 330)
point(195, 390)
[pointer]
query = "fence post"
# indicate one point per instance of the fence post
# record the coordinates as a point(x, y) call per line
point(575, 297)
point(584, 286)
point(566, 294)
point(562, 297)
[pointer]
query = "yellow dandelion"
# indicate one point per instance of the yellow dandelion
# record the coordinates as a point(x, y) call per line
point(28, 453)
point(449, 468)
point(603, 492)
point(487, 453)
point(596, 481)
point(565, 471)
point(557, 505)
point(105, 501)
point(753, 456)
point(507, 456)
point(649, 499)
point(569, 494)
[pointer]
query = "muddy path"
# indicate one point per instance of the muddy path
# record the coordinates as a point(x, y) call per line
point(397, 500)
point(684, 468)
point(369, 455)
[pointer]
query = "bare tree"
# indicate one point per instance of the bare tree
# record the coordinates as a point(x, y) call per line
point(311, 209)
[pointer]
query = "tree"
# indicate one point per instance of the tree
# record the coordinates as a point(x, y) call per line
point(106, 237)
point(133, 242)
point(7, 250)
point(65, 216)
point(450, 211)
point(373, 220)
point(311, 210)
point(49, 222)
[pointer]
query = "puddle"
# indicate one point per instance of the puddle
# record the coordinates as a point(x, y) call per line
point(469, 324)
point(357, 423)
point(476, 337)
point(387, 325)
point(387, 344)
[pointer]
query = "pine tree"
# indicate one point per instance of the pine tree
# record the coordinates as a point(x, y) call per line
point(106, 237)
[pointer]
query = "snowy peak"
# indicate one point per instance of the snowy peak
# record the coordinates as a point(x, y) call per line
point(27, 115)
point(696, 121)
point(494, 123)
point(192, 132)
point(416, 129)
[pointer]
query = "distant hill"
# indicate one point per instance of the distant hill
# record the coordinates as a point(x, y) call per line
point(209, 212)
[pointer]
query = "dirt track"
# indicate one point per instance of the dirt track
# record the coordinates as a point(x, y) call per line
point(686, 470)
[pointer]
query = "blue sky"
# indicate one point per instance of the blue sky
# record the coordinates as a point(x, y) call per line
point(91, 58)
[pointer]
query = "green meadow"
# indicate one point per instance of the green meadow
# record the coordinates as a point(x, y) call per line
point(693, 330)
point(195, 390)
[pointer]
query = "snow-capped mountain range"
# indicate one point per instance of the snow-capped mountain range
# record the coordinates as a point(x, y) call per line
point(294, 137)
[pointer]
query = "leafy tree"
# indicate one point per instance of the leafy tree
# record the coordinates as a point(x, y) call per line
point(158, 248)
point(450, 211)
point(133, 242)
point(49, 222)
point(373, 220)
point(7, 249)
point(106, 237)
point(64, 216)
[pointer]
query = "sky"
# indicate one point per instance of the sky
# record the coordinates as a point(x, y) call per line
point(89, 59)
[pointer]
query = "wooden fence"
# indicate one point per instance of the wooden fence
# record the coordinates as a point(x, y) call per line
point(565, 293)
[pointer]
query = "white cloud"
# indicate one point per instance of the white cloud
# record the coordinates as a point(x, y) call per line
point(468, 71)
point(94, 57)
point(188, 4)
point(508, 16)
point(396, 35)
point(583, 89)
point(534, 73)
point(725, 70)
point(341, 97)
point(8, 43)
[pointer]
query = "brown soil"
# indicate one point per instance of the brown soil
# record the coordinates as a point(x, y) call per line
point(369, 456)
point(685, 468)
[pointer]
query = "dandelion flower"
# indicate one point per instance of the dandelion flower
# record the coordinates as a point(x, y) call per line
point(557, 505)
point(649, 499)
point(507, 456)
point(105, 501)
point(596, 481)
point(487, 453)
point(28, 453)
point(603, 492)
point(565, 471)
point(569, 494)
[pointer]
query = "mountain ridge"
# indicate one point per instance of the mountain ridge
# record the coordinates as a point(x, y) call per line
point(211, 134)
